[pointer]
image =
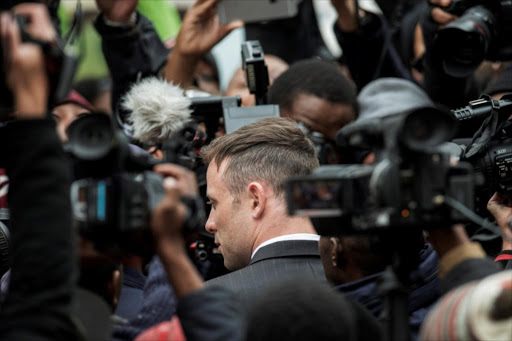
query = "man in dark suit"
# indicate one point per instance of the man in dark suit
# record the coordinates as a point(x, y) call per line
point(247, 170)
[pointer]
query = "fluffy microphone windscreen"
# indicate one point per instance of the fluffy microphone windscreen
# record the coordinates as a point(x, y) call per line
point(156, 108)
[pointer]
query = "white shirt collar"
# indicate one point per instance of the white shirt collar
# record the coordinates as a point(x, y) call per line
point(296, 236)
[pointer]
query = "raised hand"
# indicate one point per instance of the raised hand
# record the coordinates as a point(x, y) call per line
point(200, 30)
point(502, 212)
point(439, 15)
point(25, 69)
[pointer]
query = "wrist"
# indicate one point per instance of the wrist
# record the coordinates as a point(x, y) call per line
point(185, 54)
point(120, 21)
point(172, 248)
point(30, 104)
point(348, 21)
point(180, 67)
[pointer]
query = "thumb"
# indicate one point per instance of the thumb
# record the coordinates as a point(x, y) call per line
point(495, 203)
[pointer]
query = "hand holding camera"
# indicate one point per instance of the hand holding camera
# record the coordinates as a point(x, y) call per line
point(501, 208)
point(168, 218)
point(24, 64)
point(439, 14)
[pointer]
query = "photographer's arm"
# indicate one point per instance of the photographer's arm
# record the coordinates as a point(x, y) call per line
point(24, 63)
point(131, 46)
point(503, 215)
point(43, 268)
point(205, 314)
point(167, 221)
point(363, 46)
point(461, 260)
point(199, 32)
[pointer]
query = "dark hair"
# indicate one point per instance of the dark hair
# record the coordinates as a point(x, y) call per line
point(271, 150)
point(315, 77)
point(91, 88)
point(96, 273)
point(308, 310)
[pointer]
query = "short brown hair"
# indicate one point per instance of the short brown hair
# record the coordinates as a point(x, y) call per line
point(271, 150)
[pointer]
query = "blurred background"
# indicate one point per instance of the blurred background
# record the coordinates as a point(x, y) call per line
point(166, 17)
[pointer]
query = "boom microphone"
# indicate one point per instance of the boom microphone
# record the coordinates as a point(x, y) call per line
point(157, 109)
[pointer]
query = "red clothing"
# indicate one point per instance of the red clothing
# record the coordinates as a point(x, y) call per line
point(165, 331)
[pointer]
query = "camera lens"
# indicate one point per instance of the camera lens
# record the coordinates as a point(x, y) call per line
point(427, 128)
point(464, 43)
point(90, 137)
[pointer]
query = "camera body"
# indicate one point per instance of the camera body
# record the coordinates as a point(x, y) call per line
point(115, 190)
point(495, 162)
point(482, 32)
point(490, 150)
point(407, 187)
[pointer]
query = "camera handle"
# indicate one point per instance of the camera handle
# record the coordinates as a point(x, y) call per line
point(393, 285)
point(395, 312)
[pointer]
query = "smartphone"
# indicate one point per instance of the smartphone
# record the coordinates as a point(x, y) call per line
point(250, 11)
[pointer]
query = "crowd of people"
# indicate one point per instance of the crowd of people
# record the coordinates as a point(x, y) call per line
point(157, 229)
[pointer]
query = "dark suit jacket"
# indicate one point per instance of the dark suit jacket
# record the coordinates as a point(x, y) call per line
point(272, 263)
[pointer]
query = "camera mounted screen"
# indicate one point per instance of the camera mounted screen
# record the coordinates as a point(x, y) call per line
point(314, 197)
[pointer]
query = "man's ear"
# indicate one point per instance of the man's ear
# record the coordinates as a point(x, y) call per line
point(336, 252)
point(258, 198)
point(115, 287)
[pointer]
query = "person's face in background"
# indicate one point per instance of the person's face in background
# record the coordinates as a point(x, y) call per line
point(320, 115)
point(64, 114)
point(207, 78)
point(238, 84)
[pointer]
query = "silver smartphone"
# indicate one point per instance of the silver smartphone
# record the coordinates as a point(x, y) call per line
point(250, 11)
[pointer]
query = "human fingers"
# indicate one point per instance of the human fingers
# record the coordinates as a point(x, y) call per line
point(39, 23)
point(168, 216)
point(203, 7)
point(442, 3)
point(442, 17)
point(186, 179)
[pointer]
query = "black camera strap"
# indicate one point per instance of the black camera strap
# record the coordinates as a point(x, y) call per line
point(486, 130)
point(69, 62)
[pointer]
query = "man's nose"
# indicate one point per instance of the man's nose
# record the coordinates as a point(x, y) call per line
point(210, 224)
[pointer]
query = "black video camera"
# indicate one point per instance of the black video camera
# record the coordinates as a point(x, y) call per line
point(408, 186)
point(490, 149)
point(115, 190)
point(482, 31)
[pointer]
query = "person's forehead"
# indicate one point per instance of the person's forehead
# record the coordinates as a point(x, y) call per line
point(236, 83)
point(319, 110)
point(214, 180)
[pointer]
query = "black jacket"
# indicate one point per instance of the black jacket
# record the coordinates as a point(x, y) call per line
point(273, 263)
point(43, 268)
point(131, 54)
